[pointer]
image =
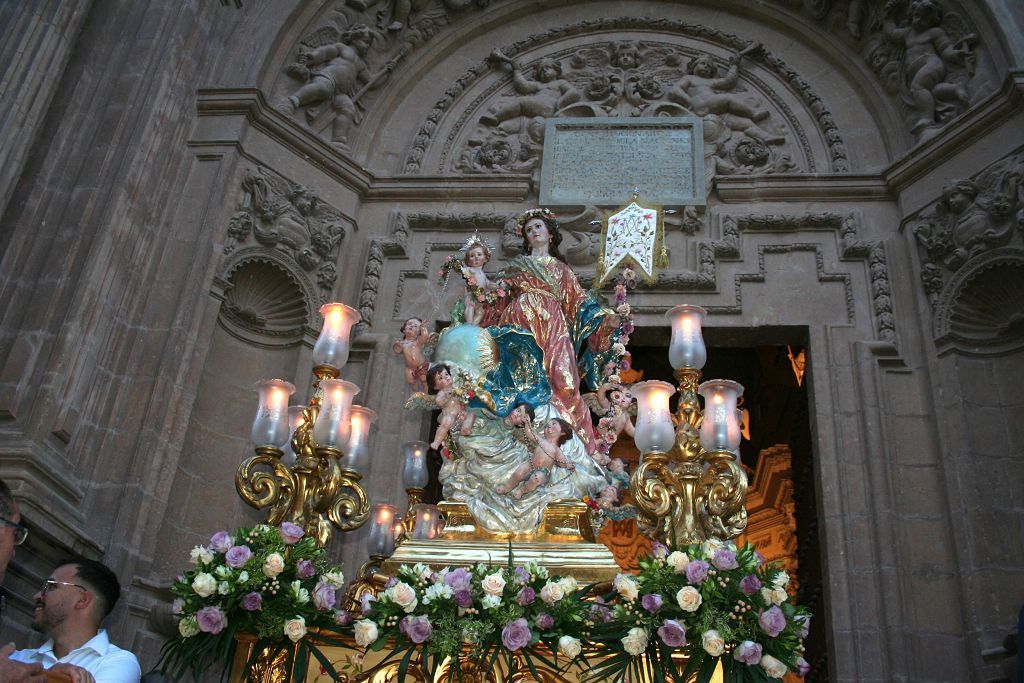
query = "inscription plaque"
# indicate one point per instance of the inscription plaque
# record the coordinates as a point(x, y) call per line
point(600, 160)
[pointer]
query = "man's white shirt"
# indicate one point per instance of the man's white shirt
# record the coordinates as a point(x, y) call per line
point(105, 661)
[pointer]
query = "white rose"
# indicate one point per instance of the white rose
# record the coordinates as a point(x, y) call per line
point(273, 565)
point(188, 627)
point(300, 594)
point(201, 555)
point(551, 592)
point(711, 546)
point(626, 586)
point(569, 646)
point(713, 643)
point(689, 599)
point(335, 578)
point(493, 584)
point(224, 588)
point(403, 595)
point(635, 641)
point(774, 596)
point(490, 601)
point(204, 585)
point(568, 584)
point(678, 561)
point(781, 580)
point(773, 667)
point(295, 629)
point(365, 632)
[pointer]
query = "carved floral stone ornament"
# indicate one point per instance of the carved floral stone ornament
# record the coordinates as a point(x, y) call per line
point(971, 248)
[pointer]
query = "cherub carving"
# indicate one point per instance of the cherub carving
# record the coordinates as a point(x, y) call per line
point(414, 346)
point(929, 58)
point(541, 97)
point(547, 453)
point(614, 403)
point(449, 398)
point(337, 73)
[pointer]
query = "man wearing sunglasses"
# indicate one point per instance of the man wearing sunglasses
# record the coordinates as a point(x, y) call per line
point(69, 608)
point(12, 533)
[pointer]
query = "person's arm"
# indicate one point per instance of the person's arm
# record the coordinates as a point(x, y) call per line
point(13, 671)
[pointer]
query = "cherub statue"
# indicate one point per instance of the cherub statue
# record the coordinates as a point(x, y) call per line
point(547, 453)
point(612, 401)
point(454, 414)
point(522, 415)
point(477, 254)
point(414, 347)
point(541, 97)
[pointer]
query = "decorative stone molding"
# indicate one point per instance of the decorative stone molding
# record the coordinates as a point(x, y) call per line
point(926, 54)
point(971, 249)
point(281, 251)
point(606, 79)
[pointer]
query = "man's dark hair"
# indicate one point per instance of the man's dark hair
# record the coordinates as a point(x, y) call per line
point(6, 500)
point(99, 579)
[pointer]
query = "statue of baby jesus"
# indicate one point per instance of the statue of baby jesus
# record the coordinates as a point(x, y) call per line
point(547, 453)
point(453, 411)
point(476, 258)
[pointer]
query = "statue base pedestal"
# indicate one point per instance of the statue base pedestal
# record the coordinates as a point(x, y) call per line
point(563, 544)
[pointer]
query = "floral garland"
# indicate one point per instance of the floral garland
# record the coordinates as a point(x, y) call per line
point(497, 611)
point(270, 582)
point(716, 605)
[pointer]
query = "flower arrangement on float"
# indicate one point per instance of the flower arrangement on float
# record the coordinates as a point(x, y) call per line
point(272, 583)
point(712, 603)
point(487, 614)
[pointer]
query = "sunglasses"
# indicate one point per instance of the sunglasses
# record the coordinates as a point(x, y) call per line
point(20, 532)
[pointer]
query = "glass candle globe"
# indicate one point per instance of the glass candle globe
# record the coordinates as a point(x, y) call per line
point(687, 350)
point(720, 430)
point(357, 451)
point(332, 346)
point(270, 428)
point(428, 522)
point(381, 539)
point(654, 429)
point(295, 420)
point(332, 426)
point(414, 465)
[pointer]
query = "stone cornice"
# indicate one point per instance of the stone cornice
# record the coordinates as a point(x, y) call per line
point(802, 186)
point(963, 131)
point(250, 103)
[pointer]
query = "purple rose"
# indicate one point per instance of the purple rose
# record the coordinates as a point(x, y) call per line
point(252, 602)
point(304, 569)
point(366, 601)
point(463, 598)
point(323, 596)
point(772, 621)
point(725, 559)
point(516, 634)
point(211, 620)
point(342, 618)
point(522, 576)
point(416, 629)
point(759, 558)
point(526, 596)
point(697, 571)
point(544, 621)
point(290, 533)
point(237, 555)
point(804, 620)
point(651, 602)
point(672, 633)
point(659, 550)
point(748, 652)
point(802, 667)
point(391, 582)
point(221, 541)
point(750, 584)
point(459, 579)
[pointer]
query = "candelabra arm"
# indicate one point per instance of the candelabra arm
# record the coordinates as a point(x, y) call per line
point(722, 495)
point(259, 488)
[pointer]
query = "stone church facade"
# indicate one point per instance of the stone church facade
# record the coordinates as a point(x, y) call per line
point(184, 183)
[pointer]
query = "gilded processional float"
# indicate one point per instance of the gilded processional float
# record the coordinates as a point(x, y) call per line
point(502, 579)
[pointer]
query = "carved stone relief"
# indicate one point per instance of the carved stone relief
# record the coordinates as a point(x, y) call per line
point(351, 52)
point(924, 52)
point(290, 229)
point(971, 249)
point(748, 128)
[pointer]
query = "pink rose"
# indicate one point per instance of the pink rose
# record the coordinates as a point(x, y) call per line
point(290, 533)
point(211, 620)
point(323, 596)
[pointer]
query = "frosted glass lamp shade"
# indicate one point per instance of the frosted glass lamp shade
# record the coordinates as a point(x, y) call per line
point(357, 452)
point(687, 350)
point(381, 539)
point(332, 426)
point(428, 522)
point(295, 420)
point(270, 428)
point(720, 430)
point(654, 429)
point(414, 465)
point(332, 346)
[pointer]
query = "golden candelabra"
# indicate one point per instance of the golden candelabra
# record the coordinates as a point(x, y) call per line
point(689, 485)
point(316, 485)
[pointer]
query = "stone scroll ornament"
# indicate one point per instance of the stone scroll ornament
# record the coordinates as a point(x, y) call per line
point(632, 235)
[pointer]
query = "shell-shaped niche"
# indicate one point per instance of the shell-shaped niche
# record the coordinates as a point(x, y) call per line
point(985, 312)
point(264, 304)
